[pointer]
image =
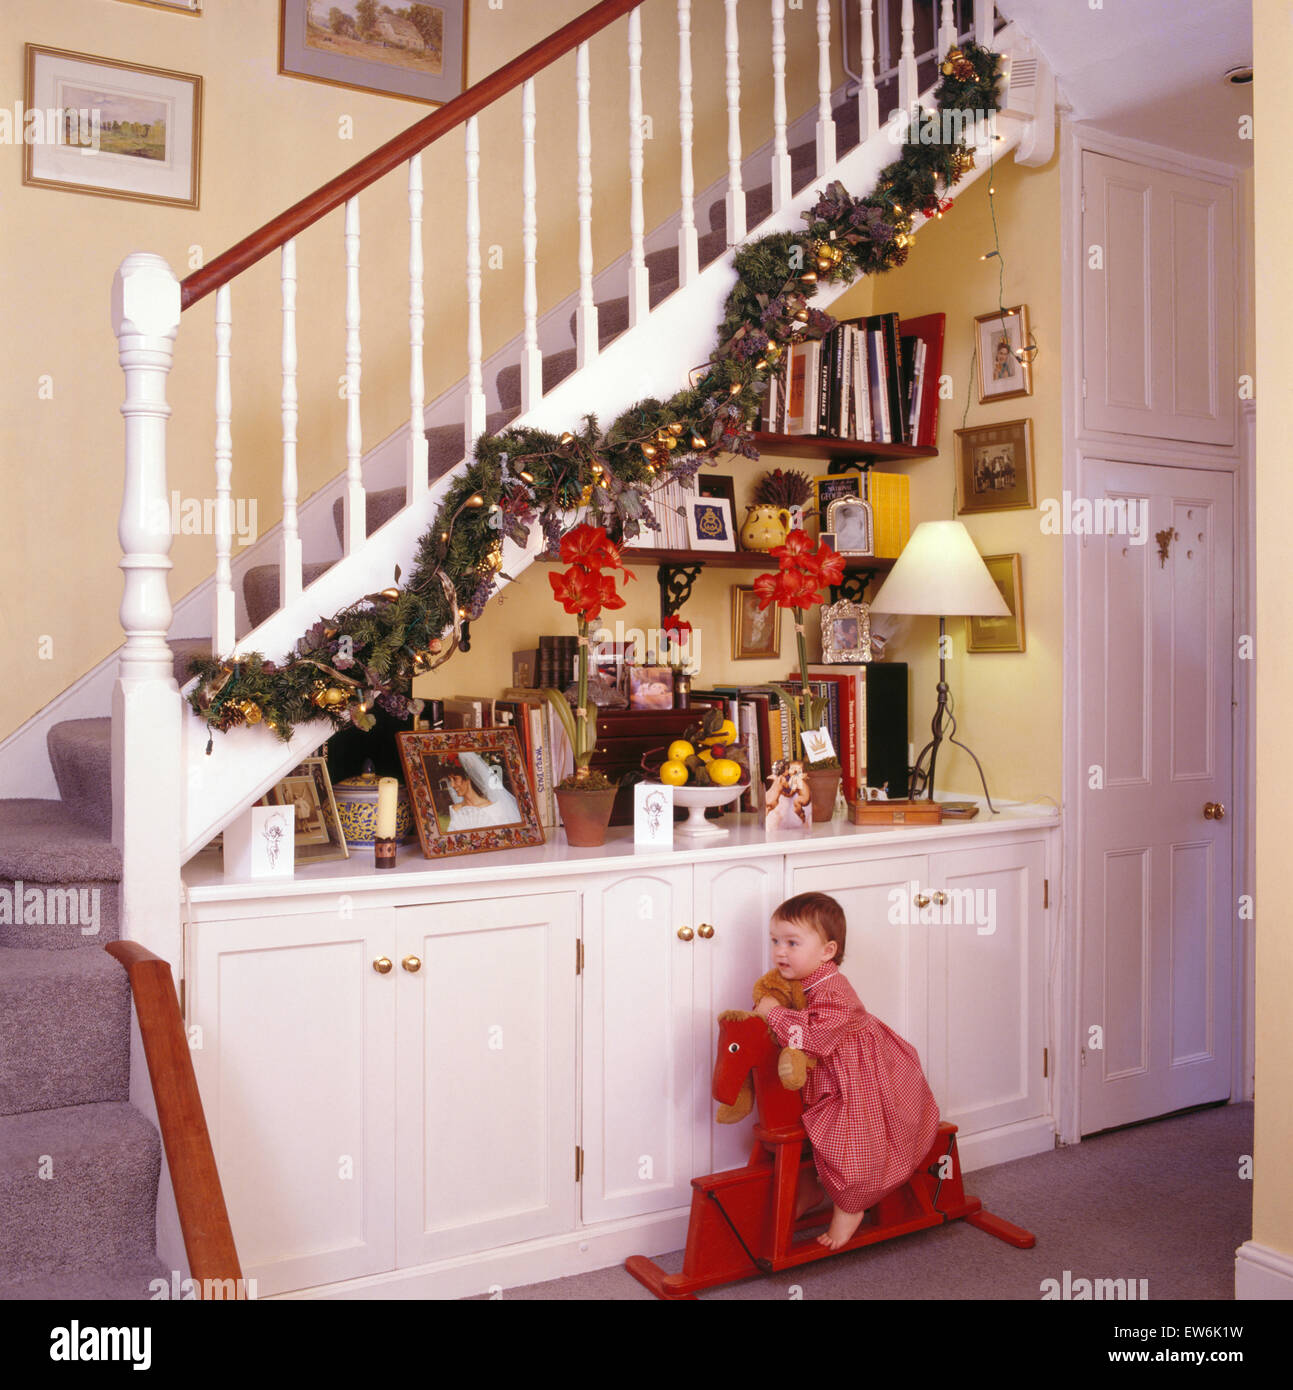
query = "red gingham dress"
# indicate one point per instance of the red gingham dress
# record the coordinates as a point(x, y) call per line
point(868, 1109)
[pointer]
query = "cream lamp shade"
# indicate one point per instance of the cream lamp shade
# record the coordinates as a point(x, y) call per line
point(940, 573)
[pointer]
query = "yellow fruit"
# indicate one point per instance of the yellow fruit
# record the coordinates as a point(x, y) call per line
point(726, 733)
point(673, 773)
point(705, 755)
point(680, 750)
point(726, 772)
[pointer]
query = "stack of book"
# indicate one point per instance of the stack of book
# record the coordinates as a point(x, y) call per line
point(872, 379)
point(890, 497)
point(552, 662)
point(667, 505)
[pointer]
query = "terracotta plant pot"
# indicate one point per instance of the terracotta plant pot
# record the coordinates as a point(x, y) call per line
point(823, 782)
point(585, 815)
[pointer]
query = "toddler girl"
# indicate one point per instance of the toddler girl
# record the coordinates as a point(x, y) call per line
point(868, 1109)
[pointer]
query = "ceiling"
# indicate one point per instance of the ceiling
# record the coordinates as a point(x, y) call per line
point(1150, 69)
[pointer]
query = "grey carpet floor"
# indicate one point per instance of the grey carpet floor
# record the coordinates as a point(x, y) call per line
point(1162, 1202)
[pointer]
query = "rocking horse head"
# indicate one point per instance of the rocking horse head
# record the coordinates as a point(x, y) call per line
point(745, 1068)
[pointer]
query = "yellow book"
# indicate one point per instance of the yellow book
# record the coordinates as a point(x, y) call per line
point(890, 497)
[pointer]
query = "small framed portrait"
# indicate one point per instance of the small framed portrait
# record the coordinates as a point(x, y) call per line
point(650, 687)
point(832, 487)
point(307, 792)
point(846, 632)
point(848, 520)
point(112, 129)
point(1005, 366)
point(470, 791)
point(1000, 634)
point(756, 632)
point(709, 523)
point(717, 485)
point(995, 467)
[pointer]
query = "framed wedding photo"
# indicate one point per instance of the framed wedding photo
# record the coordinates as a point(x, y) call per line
point(1005, 370)
point(994, 466)
point(756, 632)
point(121, 130)
point(415, 51)
point(1000, 634)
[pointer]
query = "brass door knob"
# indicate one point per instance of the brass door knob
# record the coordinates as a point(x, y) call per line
point(685, 933)
point(412, 964)
point(382, 965)
point(1214, 810)
point(921, 900)
point(940, 898)
point(705, 930)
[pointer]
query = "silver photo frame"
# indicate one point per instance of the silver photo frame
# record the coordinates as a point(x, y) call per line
point(846, 633)
point(849, 520)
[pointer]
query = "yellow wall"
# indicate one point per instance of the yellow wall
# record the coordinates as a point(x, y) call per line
point(266, 142)
point(1273, 109)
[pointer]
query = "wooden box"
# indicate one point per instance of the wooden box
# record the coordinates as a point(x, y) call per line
point(623, 736)
point(918, 812)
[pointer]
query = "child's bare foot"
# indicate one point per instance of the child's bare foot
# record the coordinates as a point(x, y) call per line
point(842, 1229)
point(811, 1194)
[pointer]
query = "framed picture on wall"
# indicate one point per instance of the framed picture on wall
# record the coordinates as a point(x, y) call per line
point(414, 51)
point(1005, 368)
point(995, 467)
point(193, 7)
point(120, 130)
point(1000, 634)
point(756, 632)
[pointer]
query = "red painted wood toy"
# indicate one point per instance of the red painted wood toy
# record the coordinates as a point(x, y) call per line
point(743, 1221)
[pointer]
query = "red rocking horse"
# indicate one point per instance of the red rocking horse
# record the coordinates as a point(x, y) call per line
point(743, 1221)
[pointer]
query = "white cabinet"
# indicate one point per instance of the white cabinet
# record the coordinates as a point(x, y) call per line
point(665, 951)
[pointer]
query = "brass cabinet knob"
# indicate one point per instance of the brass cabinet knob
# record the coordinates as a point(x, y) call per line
point(412, 964)
point(382, 965)
point(685, 933)
point(921, 900)
point(940, 898)
point(1214, 810)
point(705, 930)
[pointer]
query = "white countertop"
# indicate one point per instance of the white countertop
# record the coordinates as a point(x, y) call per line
point(204, 873)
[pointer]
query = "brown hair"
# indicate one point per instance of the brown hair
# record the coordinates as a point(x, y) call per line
point(819, 911)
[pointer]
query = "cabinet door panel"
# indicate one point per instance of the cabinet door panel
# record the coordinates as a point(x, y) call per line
point(639, 1053)
point(486, 1074)
point(295, 1069)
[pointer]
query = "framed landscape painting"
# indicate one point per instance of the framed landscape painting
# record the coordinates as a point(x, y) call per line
point(113, 129)
point(417, 51)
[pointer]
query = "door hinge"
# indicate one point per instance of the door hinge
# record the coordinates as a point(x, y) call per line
point(579, 956)
point(1046, 1062)
point(1046, 893)
point(579, 1164)
point(1082, 1054)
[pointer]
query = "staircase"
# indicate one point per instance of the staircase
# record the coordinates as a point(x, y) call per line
point(138, 793)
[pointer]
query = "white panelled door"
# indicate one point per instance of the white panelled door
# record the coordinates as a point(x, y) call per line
point(1156, 647)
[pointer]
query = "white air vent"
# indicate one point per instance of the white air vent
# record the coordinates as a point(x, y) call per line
point(1020, 96)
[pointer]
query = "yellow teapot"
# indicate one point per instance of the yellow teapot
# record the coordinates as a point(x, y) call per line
point(765, 527)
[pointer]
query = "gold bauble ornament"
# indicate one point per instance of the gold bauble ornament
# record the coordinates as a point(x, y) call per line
point(391, 595)
point(567, 439)
point(676, 428)
point(250, 711)
point(334, 697)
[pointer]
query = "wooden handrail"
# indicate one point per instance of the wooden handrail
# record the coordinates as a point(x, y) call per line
point(199, 1198)
point(398, 150)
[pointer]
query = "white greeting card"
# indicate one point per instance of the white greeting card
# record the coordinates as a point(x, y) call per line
point(818, 745)
point(261, 843)
point(652, 814)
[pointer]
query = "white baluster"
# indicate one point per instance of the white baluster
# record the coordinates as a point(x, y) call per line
point(147, 802)
point(985, 13)
point(416, 457)
point(947, 28)
point(475, 417)
point(223, 619)
point(289, 557)
point(639, 282)
point(586, 314)
point(735, 203)
point(354, 529)
point(868, 97)
point(781, 185)
point(688, 242)
point(908, 82)
point(825, 120)
point(531, 357)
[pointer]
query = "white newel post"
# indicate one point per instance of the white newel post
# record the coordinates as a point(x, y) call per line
point(825, 118)
point(147, 794)
point(868, 97)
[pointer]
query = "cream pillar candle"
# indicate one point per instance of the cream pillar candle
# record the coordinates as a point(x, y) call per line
point(388, 790)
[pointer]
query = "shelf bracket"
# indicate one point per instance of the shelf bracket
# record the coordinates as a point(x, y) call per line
point(844, 465)
point(853, 587)
point(676, 583)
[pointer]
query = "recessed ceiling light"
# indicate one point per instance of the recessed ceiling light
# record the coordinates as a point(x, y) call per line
point(1241, 76)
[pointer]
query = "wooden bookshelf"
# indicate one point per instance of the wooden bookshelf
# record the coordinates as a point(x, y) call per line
point(827, 446)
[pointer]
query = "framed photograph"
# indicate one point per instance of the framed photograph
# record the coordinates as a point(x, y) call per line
point(307, 792)
point(415, 51)
point(709, 523)
point(193, 7)
point(848, 520)
point(120, 130)
point(469, 790)
point(717, 485)
point(1000, 634)
point(1000, 339)
point(995, 467)
point(846, 632)
point(829, 489)
point(756, 632)
point(650, 687)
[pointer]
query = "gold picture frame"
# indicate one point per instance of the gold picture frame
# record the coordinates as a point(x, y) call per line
point(1000, 634)
point(756, 634)
point(307, 789)
point(192, 8)
point(994, 465)
point(115, 111)
point(1000, 338)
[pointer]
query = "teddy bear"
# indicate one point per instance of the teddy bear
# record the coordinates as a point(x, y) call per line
point(792, 1064)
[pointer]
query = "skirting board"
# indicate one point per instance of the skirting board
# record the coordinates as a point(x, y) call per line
point(1262, 1273)
point(493, 1272)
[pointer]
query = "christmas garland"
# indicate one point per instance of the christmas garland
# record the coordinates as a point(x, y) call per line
point(368, 653)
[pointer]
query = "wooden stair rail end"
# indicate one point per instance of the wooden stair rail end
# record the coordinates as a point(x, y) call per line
point(398, 150)
point(199, 1198)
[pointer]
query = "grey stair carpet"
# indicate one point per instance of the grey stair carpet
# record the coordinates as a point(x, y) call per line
point(115, 1281)
point(80, 752)
point(182, 650)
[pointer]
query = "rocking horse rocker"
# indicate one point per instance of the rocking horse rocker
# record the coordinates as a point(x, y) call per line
point(743, 1221)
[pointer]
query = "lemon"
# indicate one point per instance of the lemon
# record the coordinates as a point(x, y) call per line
point(680, 750)
point(704, 755)
point(726, 733)
point(726, 772)
point(673, 772)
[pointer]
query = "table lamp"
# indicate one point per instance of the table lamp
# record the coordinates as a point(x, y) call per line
point(939, 573)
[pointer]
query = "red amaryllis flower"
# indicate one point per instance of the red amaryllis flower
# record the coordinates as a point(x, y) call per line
point(796, 549)
point(590, 547)
point(787, 589)
point(676, 629)
point(577, 591)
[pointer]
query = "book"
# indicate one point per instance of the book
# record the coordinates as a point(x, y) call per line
point(890, 498)
point(929, 329)
point(880, 721)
